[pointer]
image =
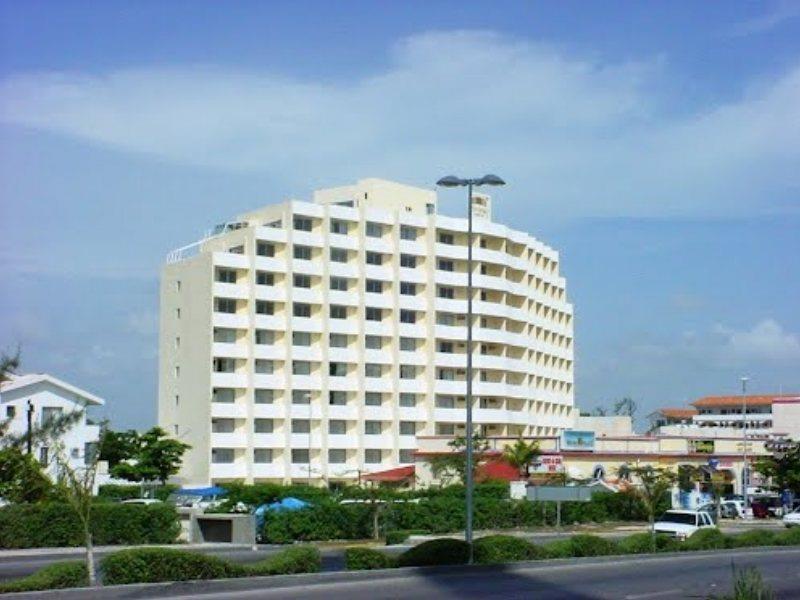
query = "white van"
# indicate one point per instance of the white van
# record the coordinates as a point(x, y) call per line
point(681, 524)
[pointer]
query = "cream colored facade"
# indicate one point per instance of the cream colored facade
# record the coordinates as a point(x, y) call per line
point(318, 340)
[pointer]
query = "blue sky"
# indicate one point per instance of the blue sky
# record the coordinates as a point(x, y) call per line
point(656, 145)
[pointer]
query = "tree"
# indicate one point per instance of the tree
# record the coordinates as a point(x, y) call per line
point(156, 458)
point(9, 363)
point(22, 478)
point(453, 465)
point(118, 446)
point(521, 455)
point(783, 467)
point(654, 483)
point(627, 407)
point(599, 411)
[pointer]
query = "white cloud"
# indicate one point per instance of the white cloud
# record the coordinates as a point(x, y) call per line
point(574, 135)
point(779, 14)
point(766, 341)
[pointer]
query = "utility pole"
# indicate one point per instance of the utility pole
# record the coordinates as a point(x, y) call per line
point(30, 427)
point(745, 470)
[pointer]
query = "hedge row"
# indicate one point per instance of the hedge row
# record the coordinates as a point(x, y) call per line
point(441, 513)
point(153, 565)
point(504, 548)
point(119, 492)
point(56, 524)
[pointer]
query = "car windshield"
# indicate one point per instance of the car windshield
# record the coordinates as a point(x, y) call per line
point(682, 518)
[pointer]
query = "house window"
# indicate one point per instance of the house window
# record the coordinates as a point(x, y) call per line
point(11, 412)
point(374, 258)
point(374, 286)
point(374, 229)
point(338, 311)
point(372, 457)
point(265, 307)
point(408, 289)
point(373, 342)
point(374, 314)
point(265, 249)
point(302, 281)
point(51, 413)
point(337, 340)
point(300, 456)
point(339, 284)
point(302, 224)
point(300, 309)
point(338, 255)
point(301, 367)
point(263, 425)
point(373, 370)
point(265, 278)
point(407, 399)
point(264, 396)
point(302, 252)
point(408, 428)
point(262, 455)
point(337, 427)
point(409, 261)
point(372, 427)
point(408, 233)
point(408, 316)
point(337, 456)
point(44, 456)
point(408, 344)
point(225, 305)
point(373, 398)
point(339, 227)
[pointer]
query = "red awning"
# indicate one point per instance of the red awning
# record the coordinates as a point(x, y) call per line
point(398, 474)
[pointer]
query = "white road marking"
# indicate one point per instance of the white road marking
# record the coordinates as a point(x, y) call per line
point(653, 594)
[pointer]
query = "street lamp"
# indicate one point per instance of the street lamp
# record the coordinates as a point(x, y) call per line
point(745, 470)
point(453, 181)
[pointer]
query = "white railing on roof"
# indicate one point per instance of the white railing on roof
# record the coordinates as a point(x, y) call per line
point(185, 252)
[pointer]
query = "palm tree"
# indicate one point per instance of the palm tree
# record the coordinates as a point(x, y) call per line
point(522, 455)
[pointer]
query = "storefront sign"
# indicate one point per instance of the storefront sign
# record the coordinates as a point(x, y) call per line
point(551, 463)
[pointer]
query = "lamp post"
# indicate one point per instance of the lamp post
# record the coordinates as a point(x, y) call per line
point(453, 181)
point(745, 471)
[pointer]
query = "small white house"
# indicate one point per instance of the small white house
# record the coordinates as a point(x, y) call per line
point(47, 397)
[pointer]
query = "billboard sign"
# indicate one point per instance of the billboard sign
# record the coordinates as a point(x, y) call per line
point(552, 493)
point(577, 440)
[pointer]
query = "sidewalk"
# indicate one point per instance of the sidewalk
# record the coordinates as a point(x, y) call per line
point(80, 551)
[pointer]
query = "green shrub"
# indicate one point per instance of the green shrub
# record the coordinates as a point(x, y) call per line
point(591, 545)
point(642, 543)
point(751, 538)
point(504, 548)
point(327, 521)
point(119, 492)
point(361, 559)
point(401, 535)
point(705, 539)
point(57, 524)
point(557, 549)
point(299, 559)
point(151, 565)
point(790, 537)
point(52, 577)
point(444, 551)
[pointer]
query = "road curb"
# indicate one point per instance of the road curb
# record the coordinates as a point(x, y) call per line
point(200, 587)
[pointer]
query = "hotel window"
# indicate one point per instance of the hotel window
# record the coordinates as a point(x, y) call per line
point(301, 338)
point(408, 428)
point(339, 284)
point(301, 426)
point(300, 456)
point(408, 371)
point(302, 252)
point(372, 427)
point(301, 397)
point(374, 314)
point(409, 261)
point(224, 365)
point(374, 229)
point(408, 400)
point(225, 305)
point(408, 316)
point(408, 233)
point(446, 238)
point(373, 399)
point(224, 335)
point(222, 455)
point(338, 311)
point(302, 281)
point(264, 396)
point(265, 337)
point(446, 347)
point(300, 309)
point(265, 367)
point(337, 398)
point(373, 342)
point(447, 292)
point(373, 370)
point(445, 429)
point(337, 369)
point(337, 456)
point(374, 258)
point(302, 224)
point(408, 289)
point(301, 367)
point(262, 455)
point(374, 286)
point(446, 265)
point(265, 278)
point(265, 249)
point(226, 275)
point(265, 307)
point(337, 340)
point(445, 319)
point(338, 255)
point(408, 344)
point(447, 375)
point(337, 427)
point(372, 457)
point(406, 456)
point(338, 226)
point(223, 395)
point(264, 426)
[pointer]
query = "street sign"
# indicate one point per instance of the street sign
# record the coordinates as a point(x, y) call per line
point(555, 493)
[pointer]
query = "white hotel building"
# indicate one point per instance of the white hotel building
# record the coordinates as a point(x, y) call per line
point(317, 340)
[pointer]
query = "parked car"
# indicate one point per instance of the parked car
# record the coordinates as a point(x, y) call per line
point(711, 509)
point(144, 501)
point(733, 509)
point(682, 524)
point(792, 519)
